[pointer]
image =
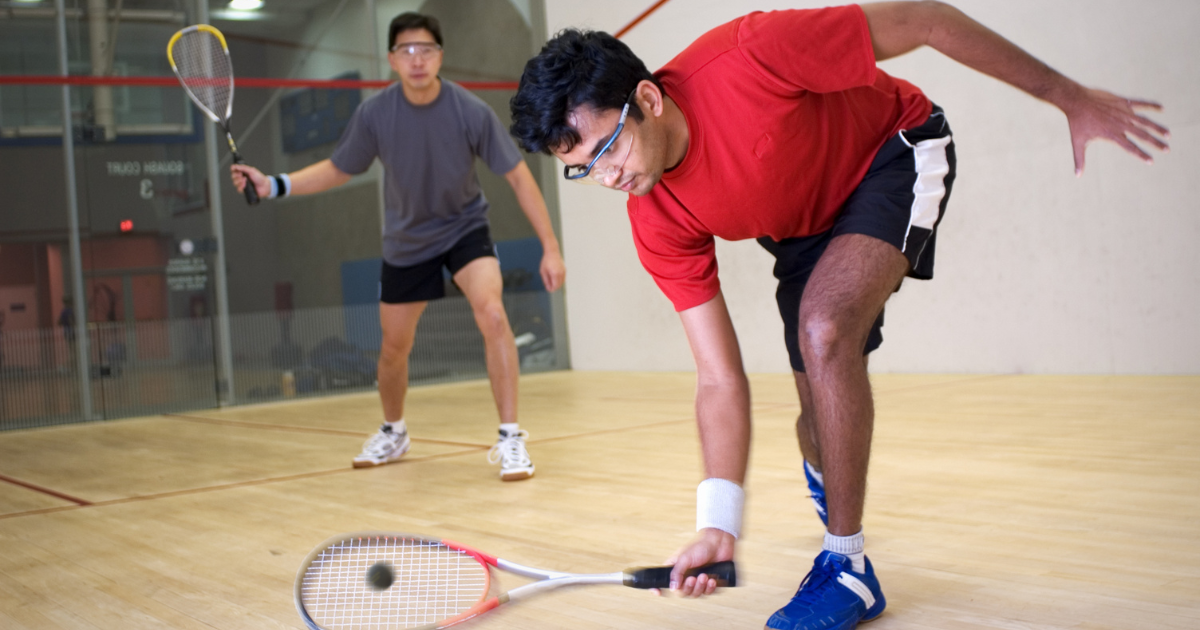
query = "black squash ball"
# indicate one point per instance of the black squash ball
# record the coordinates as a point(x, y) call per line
point(380, 576)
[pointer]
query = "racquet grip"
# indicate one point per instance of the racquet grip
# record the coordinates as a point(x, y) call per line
point(660, 577)
point(249, 191)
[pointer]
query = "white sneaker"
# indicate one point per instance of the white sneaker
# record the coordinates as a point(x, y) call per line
point(510, 452)
point(384, 447)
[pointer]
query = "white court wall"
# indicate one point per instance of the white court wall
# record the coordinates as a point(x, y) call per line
point(1037, 271)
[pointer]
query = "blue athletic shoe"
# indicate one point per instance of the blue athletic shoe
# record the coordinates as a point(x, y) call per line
point(817, 491)
point(831, 597)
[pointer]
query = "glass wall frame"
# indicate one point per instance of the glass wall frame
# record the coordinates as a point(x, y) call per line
point(158, 219)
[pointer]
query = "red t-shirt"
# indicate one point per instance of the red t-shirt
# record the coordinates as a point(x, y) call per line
point(785, 112)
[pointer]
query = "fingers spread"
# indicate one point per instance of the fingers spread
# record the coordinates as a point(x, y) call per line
point(1140, 103)
point(1148, 137)
point(1129, 146)
point(1146, 122)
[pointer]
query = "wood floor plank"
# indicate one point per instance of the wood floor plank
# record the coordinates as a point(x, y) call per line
point(995, 501)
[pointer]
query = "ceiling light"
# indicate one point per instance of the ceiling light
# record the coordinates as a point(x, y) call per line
point(238, 16)
point(245, 5)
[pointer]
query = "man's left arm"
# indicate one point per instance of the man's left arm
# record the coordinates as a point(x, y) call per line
point(529, 196)
point(899, 27)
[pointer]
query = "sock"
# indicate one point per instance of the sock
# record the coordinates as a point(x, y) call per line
point(815, 474)
point(849, 546)
point(399, 427)
point(508, 429)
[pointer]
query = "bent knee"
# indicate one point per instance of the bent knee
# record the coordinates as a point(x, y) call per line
point(824, 336)
point(491, 318)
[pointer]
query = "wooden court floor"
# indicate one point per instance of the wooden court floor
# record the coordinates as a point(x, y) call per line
point(1006, 502)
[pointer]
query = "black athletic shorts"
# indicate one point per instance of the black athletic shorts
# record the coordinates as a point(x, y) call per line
point(424, 281)
point(901, 200)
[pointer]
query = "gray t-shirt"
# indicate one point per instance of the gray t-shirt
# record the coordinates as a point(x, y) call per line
point(431, 193)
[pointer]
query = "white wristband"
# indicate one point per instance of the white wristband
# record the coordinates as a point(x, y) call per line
point(719, 504)
point(281, 186)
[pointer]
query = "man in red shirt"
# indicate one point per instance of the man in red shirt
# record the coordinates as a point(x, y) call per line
point(779, 127)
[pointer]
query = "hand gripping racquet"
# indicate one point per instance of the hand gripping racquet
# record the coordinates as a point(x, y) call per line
point(200, 58)
point(433, 583)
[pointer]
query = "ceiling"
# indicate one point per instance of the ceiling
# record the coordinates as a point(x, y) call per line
point(275, 14)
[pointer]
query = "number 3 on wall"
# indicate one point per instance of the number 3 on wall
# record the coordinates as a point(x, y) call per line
point(147, 190)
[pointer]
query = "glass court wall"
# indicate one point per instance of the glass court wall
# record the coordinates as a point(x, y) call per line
point(149, 286)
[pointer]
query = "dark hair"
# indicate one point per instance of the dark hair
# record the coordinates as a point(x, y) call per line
point(575, 68)
point(409, 21)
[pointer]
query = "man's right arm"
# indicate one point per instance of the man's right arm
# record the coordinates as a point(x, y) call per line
point(723, 419)
point(311, 179)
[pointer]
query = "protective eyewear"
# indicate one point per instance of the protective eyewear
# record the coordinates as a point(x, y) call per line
point(421, 50)
point(595, 172)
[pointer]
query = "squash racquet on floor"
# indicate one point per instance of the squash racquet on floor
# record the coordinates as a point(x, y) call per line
point(389, 581)
point(200, 58)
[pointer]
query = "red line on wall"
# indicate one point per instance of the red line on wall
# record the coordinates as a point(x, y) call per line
point(344, 84)
point(628, 27)
point(37, 488)
point(248, 82)
point(51, 79)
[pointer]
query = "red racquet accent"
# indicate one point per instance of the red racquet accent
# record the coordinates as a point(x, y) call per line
point(482, 557)
point(481, 608)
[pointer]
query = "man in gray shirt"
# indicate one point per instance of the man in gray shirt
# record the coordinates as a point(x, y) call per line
point(427, 132)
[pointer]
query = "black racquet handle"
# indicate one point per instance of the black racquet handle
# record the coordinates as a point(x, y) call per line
point(660, 577)
point(250, 191)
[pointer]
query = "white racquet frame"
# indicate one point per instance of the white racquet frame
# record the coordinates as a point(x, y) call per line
point(332, 592)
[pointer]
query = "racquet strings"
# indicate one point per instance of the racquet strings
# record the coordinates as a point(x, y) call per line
point(432, 583)
point(205, 71)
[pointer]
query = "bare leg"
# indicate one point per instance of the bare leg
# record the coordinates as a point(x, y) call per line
point(399, 323)
point(480, 281)
point(845, 294)
point(806, 422)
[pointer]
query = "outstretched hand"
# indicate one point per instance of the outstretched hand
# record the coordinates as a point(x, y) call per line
point(711, 545)
point(242, 173)
point(1099, 114)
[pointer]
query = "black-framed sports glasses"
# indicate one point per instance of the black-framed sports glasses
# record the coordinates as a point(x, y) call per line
point(574, 173)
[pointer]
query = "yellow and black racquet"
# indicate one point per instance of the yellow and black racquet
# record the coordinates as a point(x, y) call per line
point(200, 58)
